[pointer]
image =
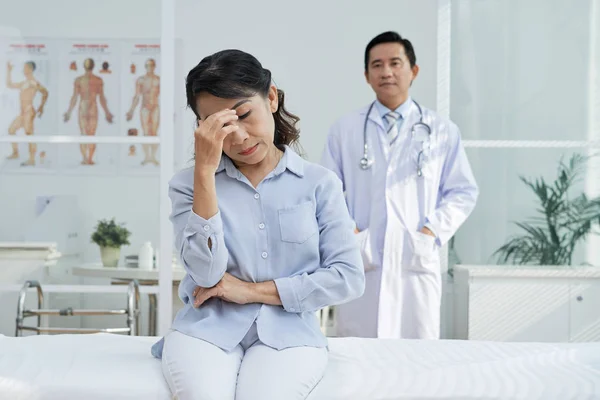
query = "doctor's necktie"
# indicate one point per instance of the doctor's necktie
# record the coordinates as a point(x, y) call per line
point(392, 130)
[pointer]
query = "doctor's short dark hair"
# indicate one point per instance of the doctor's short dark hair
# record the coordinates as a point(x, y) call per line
point(391, 37)
point(233, 74)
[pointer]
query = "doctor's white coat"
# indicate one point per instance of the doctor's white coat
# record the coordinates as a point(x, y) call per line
point(390, 204)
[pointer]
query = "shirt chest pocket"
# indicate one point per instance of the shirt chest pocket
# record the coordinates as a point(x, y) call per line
point(298, 223)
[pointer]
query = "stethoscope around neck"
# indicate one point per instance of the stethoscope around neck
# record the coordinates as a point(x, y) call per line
point(419, 131)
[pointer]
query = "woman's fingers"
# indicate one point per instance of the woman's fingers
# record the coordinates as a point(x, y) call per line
point(226, 130)
point(216, 121)
point(202, 295)
point(209, 136)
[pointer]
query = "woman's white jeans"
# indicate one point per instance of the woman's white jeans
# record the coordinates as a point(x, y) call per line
point(198, 370)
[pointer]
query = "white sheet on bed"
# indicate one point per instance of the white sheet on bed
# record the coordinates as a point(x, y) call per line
point(82, 367)
point(120, 367)
point(405, 369)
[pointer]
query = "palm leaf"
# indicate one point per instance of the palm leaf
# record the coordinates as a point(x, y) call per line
point(550, 237)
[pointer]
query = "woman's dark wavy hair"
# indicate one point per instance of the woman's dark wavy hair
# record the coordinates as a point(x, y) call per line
point(232, 74)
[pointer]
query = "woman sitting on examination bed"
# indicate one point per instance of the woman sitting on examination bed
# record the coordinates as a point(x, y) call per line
point(265, 238)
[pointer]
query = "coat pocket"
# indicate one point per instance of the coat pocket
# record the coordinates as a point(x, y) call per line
point(425, 257)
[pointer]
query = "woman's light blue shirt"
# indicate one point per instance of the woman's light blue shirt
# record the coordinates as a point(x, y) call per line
point(294, 229)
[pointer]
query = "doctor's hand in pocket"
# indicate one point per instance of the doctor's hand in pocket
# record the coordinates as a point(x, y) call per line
point(427, 231)
point(425, 256)
point(229, 288)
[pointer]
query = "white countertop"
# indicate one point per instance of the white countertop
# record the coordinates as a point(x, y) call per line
point(99, 271)
point(16, 253)
point(522, 271)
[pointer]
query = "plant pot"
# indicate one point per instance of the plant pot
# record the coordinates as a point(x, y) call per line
point(110, 256)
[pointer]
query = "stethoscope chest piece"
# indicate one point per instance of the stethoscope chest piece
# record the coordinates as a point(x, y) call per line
point(365, 163)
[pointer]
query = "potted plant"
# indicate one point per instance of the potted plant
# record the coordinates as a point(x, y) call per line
point(110, 236)
point(564, 220)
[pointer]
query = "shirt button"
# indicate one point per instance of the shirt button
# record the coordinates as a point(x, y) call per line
point(256, 195)
point(206, 228)
point(261, 225)
point(264, 254)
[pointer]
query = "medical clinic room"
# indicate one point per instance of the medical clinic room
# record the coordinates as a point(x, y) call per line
point(313, 200)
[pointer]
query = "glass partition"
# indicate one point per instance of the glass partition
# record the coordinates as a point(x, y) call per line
point(524, 91)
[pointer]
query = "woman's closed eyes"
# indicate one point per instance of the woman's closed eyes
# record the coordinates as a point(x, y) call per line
point(244, 115)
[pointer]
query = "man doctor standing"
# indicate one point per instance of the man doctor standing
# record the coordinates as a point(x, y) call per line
point(409, 187)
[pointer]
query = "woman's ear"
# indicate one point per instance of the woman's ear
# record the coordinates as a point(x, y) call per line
point(273, 99)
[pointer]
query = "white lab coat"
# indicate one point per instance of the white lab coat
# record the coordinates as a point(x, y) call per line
point(390, 204)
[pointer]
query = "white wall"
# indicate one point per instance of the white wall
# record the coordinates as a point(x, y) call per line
point(314, 49)
point(73, 18)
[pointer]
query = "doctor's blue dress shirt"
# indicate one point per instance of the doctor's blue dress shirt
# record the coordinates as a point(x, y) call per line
point(293, 228)
point(402, 110)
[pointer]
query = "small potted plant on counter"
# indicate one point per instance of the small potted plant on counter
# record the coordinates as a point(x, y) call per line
point(110, 236)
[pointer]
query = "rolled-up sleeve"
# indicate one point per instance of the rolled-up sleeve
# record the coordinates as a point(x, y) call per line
point(341, 275)
point(205, 264)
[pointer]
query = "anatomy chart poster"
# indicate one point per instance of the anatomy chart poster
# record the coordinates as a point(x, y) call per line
point(88, 75)
point(140, 105)
point(27, 104)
